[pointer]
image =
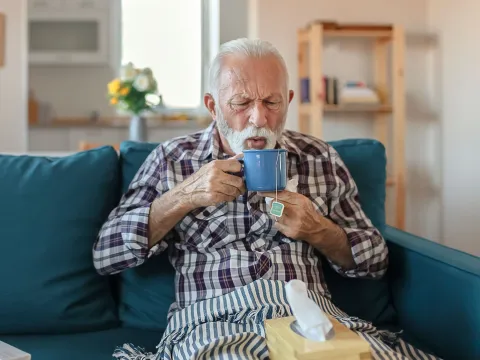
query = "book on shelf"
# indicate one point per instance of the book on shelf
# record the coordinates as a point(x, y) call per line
point(351, 92)
point(329, 92)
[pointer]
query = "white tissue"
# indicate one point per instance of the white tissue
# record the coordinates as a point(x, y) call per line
point(292, 185)
point(312, 321)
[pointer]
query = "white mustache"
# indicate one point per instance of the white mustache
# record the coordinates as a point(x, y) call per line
point(252, 131)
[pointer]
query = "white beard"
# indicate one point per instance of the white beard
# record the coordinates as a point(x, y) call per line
point(237, 139)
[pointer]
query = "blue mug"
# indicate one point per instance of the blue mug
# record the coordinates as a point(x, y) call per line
point(265, 170)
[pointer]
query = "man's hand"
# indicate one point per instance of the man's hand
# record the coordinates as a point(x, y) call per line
point(213, 184)
point(301, 221)
point(210, 185)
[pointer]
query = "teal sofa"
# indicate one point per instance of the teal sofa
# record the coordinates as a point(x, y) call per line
point(55, 306)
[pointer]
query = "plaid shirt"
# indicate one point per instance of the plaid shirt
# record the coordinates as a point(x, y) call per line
point(219, 248)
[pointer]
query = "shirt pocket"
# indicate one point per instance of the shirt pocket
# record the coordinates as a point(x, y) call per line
point(204, 228)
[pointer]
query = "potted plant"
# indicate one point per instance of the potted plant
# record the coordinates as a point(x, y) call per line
point(135, 92)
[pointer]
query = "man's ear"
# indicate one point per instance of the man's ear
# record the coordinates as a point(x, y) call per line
point(209, 102)
point(290, 96)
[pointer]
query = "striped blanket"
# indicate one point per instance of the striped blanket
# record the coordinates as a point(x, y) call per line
point(231, 327)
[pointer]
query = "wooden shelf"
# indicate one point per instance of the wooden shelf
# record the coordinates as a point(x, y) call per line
point(359, 108)
point(3, 41)
point(385, 34)
point(310, 45)
point(336, 30)
point(350, 108)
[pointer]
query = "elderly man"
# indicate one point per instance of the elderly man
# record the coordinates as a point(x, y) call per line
point(232, 260)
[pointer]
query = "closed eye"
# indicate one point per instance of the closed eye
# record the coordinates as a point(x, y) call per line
point(272, 104)
point(240, 105)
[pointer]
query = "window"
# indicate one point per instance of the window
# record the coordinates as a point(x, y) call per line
point(170, 38)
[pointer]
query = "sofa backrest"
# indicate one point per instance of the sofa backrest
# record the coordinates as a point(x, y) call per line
point(147, 291)
point(51, 212)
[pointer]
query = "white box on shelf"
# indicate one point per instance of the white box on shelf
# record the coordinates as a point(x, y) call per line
point(8, 352)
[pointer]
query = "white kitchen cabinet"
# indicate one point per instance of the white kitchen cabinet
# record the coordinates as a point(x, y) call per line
point(88, 4)
point(45, 5)
point(67, 6)
point(69, 32)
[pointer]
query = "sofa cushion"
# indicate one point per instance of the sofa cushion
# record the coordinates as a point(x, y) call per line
point(365, 298)
point(366, 160)
point(95, 345)
point(146, 293)
point(52, 210)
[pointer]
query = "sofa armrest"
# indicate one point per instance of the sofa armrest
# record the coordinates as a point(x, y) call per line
point(436, 292)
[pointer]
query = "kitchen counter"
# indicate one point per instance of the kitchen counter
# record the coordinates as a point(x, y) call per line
point(121, 123)
point(66, 136)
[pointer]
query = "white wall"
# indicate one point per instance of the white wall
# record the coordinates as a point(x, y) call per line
point(454, 75)
point(13, 79)
point(277, 21)
point(233, 20)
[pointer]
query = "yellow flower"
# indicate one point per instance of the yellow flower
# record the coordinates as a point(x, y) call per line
point(124, 91)
point(114, 86)
point(114, 101)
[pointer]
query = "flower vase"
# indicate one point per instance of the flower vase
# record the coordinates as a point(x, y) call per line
point(138, 129)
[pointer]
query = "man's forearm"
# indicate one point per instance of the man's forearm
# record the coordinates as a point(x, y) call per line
point(165, 212)
point(332, 241)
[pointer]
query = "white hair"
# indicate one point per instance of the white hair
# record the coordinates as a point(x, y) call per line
point(254, 48)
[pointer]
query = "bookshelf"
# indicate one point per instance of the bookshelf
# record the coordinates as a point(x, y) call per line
point(2, 39)
point(388, 114)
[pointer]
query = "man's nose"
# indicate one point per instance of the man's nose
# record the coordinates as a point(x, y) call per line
point(258, 116)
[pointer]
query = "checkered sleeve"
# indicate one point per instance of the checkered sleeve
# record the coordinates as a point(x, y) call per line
point(369, 249)
point(123, 239)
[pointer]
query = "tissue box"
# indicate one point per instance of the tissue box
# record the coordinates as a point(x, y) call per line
point(285, 344)
point(8, 352)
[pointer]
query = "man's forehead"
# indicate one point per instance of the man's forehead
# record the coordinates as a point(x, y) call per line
point(242, 68)
point(239, 72)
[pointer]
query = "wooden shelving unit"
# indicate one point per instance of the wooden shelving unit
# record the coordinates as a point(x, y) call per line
point(388, 116)
point(2, 39)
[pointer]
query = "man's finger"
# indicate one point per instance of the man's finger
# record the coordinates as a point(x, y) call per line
point(284, 195)
point(280, 219)
point(228, 190)
point(230, 165)
point(282, 228)
point(232, 180)
point(289, 211)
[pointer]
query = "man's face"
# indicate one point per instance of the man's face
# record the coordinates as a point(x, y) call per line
point(252, 102)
